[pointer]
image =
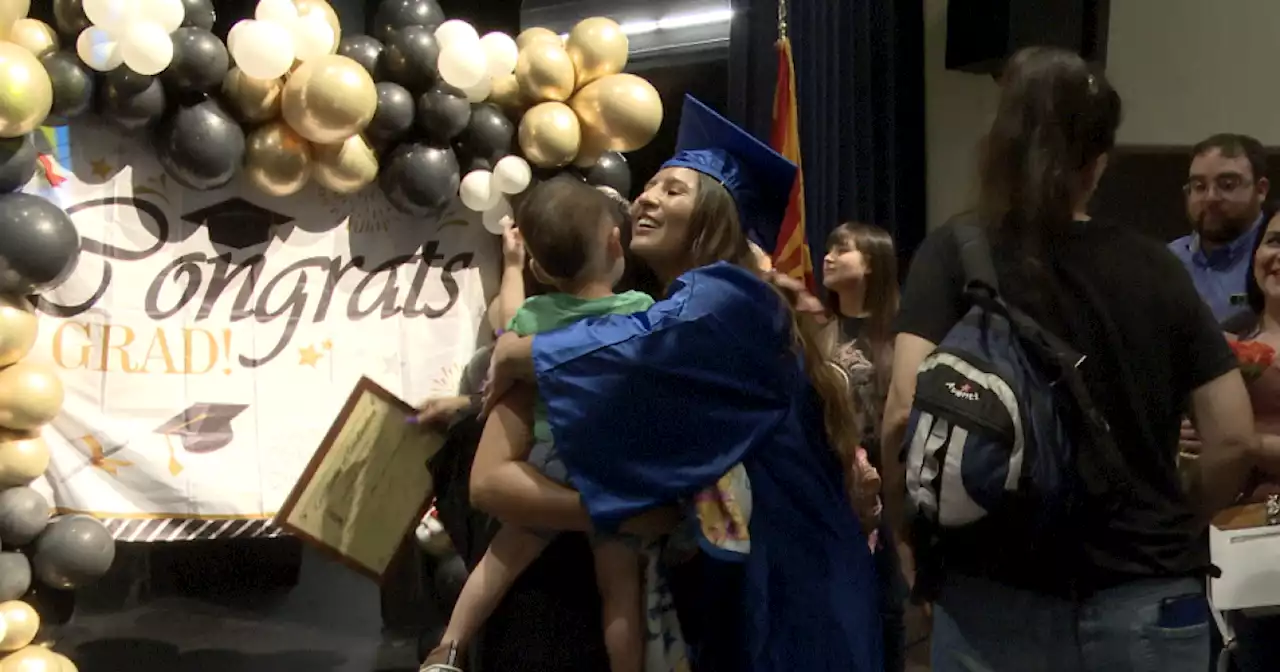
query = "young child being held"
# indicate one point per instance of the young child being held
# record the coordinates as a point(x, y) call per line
point(571, 234)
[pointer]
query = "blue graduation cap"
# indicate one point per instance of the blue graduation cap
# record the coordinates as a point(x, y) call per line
point(758, 178)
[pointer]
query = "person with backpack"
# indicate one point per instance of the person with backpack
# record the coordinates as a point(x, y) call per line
point(1042, 364)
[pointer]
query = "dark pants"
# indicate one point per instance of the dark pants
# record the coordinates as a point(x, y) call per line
point(893, 597)
point(1257, 642)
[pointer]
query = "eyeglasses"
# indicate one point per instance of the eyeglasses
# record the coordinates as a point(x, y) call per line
point(1226, 186)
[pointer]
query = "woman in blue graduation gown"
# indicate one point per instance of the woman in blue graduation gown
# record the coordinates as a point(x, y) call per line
point(718, 386)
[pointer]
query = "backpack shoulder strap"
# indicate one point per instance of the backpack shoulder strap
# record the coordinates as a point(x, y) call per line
point(975, 256)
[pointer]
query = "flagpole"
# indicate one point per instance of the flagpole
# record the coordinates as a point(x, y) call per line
point(782, 20)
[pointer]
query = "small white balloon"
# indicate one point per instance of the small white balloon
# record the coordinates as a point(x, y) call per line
point(512, 175)
point(312, 37)
point(168, 13)
point(146, 48)
point(477, 191)
point(458, 32)
point(494, 219)
point(462, 66)
point(113, 16)
point(501, 52)
point(480, 92)
point(99, 50)
point(282, 12)
point(261, 49)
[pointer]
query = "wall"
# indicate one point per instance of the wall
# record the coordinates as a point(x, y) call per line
point(958, 108)
point(1188, 69)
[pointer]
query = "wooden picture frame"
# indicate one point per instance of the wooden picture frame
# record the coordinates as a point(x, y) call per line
point(367, 485)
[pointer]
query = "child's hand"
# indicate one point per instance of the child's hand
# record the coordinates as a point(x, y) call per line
point(441, 410)
point(512, 245)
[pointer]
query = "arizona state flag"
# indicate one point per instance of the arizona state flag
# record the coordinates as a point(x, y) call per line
point(792, 255)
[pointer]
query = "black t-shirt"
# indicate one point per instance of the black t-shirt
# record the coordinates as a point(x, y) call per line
point(1109, 285)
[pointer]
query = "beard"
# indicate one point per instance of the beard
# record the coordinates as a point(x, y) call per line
point(1225, 228)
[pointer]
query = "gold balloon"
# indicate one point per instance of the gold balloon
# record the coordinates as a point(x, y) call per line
point(17, 329)
point(346, 167)
point(21, 623)
point(32, 659)
point(593, 146)
point(24, 457)
point(10, 12)
point(550, 135)
point(65, 662)
point(624, 108)
point(329, 99)
point(30, 395)
point(533, 36)
point(506, 93)
point(307, 8)
point(35, 36)
point(26, 97)
point(598, 48)
point(545, 73)
point(277, 160)
point(253, 100)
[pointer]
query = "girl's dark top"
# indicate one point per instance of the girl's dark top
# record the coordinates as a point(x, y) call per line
point(853, 354)
point(1128, 305)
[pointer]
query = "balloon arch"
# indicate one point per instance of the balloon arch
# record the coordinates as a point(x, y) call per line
point(425, 107)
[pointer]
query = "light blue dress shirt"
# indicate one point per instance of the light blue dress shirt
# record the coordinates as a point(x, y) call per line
point(1219, 276)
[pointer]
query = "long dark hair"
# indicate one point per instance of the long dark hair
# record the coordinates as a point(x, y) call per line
point(1246, 323)
point(881, 257)
point(1056, 116)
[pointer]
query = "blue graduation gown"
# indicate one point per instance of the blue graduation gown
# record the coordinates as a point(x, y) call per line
point(648, 409)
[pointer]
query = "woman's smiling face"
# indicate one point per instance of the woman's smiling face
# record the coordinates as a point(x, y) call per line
point(660, 216)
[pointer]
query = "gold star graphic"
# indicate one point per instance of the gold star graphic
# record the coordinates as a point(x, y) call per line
point(309, 356)
point(100, 168)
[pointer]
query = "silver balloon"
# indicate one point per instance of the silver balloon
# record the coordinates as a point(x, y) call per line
point(73, 551)
point(15, 576)
point(24, 513)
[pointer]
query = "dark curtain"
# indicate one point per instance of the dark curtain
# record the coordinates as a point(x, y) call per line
point(860, 89)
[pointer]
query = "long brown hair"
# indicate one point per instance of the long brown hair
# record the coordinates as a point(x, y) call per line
point(716, 235)
point(880, 300)
point(1055, 117)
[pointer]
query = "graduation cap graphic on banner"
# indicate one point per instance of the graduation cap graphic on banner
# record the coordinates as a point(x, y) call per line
point(202, 428)
point(237, 223)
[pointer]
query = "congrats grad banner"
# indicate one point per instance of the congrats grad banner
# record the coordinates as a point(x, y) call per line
point(206, 340)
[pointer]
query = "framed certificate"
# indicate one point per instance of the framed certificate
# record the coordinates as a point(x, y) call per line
point(367, 485)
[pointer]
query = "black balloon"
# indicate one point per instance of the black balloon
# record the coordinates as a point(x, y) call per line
point(54, 607)
point(362, 49)
point(72, 87)
point(392, 15)
point(199, 14)
point(39, 244)
point(410, 59)
point(419, 179)
point(394, 116)
point(200, 61)
point(611, 170)
point(17, 162)
point(489, 135)
point(443, 113)
point(70, 19)
point(123, 105)
point(201, 146)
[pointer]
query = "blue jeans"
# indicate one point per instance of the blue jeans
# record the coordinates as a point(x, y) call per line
point(983, 626)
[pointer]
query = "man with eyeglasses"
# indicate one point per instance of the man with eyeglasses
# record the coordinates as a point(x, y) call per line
point(1225, 190)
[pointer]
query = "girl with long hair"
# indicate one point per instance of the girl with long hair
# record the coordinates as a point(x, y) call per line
point(720, 385)
point(1120, 587)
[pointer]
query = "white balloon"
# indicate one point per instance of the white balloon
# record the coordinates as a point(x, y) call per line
point(99, 50)
point(261, 49)
point(501, 52)
point(477, 191)
point(312, 37)
point(480, 92)
point(462, 66)
point(493, 218)
point(113, 16)
point(458, 32)
point(168, 13)
point(146, 48)
point(282, 12)
point(512, 175)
